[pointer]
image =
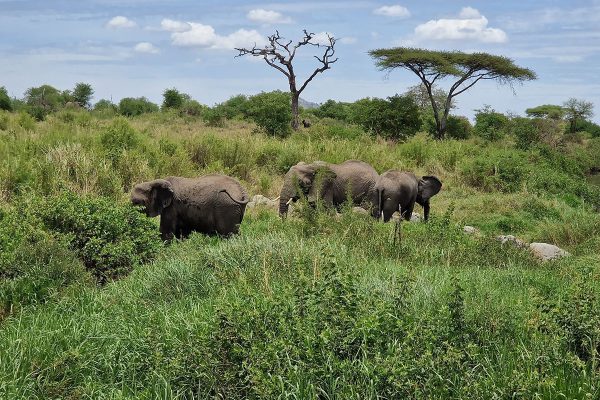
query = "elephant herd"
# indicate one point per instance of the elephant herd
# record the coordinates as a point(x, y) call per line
point(215, 204)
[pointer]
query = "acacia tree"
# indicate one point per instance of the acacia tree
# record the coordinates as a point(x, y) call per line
point(576, 110)
point(279, 54)
point(431, 66)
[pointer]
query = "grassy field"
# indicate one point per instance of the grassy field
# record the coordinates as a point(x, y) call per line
point(315, 306)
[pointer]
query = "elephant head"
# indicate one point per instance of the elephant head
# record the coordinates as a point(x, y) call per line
point(153, 196)
point(429, 186)
point(309, 180)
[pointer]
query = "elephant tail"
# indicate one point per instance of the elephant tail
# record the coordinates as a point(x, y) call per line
point(241, 202)
point(379, 204)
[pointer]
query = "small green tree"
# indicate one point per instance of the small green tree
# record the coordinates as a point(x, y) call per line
point(172, 98)
point(43, 100)
point(394, 118)
point(577, 110)
point(131, 107)
point(333, 109)
point(271, 112)
point(236, 106)
point(468, 69)
point(546, 111)
point(5, 101)
point(490, 124)
point(82, 94)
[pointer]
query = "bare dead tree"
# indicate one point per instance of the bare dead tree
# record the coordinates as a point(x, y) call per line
point(280, 54)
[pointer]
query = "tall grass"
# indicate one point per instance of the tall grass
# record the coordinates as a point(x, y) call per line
point(316, 306)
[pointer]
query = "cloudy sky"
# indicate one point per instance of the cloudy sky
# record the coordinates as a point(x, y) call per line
point(139, 48)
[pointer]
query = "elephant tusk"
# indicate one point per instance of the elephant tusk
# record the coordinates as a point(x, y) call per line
point(277, 198)
point(288, 202)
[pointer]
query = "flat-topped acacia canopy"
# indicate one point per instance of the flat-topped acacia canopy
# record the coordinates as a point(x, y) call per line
point(469, 68)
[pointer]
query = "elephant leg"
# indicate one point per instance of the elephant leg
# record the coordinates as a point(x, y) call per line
point(168, 228)
point(407, 212)
point(426, 211)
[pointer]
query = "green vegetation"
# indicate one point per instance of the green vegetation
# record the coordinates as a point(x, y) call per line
point(466, 68)
point(92, 305)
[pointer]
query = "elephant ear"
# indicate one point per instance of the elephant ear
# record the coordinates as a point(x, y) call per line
point(161, 197)
point(429, 186)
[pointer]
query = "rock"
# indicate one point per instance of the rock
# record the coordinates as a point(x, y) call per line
point(512, 240)
point(415, 217)
point(360, 210)
point(547, 252)
point(470, 230)
point(260, 200)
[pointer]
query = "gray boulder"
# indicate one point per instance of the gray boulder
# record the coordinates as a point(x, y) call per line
point(415, 217)
point(547, 252)
point(470, 230)
point(260, 200)
point(360, 210)
point(511, 240)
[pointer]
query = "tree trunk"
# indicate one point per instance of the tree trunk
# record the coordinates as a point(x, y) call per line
point(295, 111)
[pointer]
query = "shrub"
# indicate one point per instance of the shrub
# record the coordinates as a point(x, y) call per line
point(110, 239)
point(588, 126)
point(500, 170)
point(192, 108)
point(490, 124)
point(236, 106)
point(395, 118)
point(40, 271)
point(271, 112)
point(5, 101)
point(457, 127)
point(172, 98)
point(333, 109)
point(117, 137)
point(4, 120)
point(26, 121)
point(214, 116)
point(131, 107)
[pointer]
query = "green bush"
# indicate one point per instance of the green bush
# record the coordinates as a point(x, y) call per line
point(172, 98)
point(395, 118)
point(192, 108)
point(236, 106)
point(490, 124)
point(26, 121)
point(117, 137)
point(334, 110)
point(4, 120)
point(271, 111)
point(498, 170)
point(110, 239)
point(457, 127)
point(5, 101)
point(131, 107)
point(214, 116)
point(40, 271)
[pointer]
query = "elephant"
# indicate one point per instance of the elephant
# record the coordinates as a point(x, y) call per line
point(337, 181)
point(306, 123)
point(398, 191)
point(210, 204)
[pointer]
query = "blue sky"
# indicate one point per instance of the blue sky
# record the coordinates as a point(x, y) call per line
point(139, 48)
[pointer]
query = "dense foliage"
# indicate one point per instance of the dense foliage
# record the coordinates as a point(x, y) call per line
point(318, 305)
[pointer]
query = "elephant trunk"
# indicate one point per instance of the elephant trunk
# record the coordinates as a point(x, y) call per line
point(287, 195)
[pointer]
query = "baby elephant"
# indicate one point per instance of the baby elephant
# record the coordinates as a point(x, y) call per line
point(211, 204)
point(398, 191)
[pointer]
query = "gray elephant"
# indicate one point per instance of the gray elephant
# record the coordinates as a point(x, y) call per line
point(211, 204)
point(332, 183)
point(398, 191)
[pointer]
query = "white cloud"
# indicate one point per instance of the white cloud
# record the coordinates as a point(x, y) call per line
point(469, 13)
point(322, 38)
point(568, 59)
point(199, 35)
point(348, 40)
point(120, 22)
point(267, 17)
point(395, 10)
point(470, 25)
point(174, 26)
point(146, 47)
